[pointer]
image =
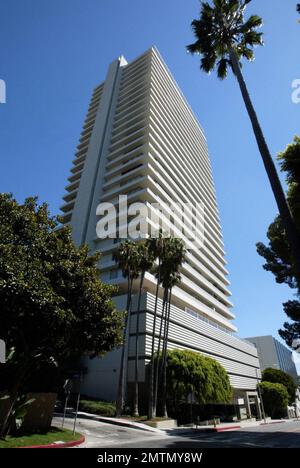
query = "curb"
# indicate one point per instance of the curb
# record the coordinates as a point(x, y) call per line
point(272, 422)
point(233, 428)
point(216, 429)
point(72, 443)
point(223, 429)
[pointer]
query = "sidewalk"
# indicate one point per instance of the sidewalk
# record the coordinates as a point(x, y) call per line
point(238, 425)
point(231, 426)
point(115, 421)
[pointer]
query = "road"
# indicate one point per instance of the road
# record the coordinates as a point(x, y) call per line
point(102, 435)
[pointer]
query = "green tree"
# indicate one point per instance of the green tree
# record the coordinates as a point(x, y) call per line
point(53, 304)
point(189, 372)
point(278, 376)
point(223, 39)
point(275, 398)
point(126, 258)
point(277, 253)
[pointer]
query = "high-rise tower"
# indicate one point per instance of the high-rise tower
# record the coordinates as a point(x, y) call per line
point(141, 139)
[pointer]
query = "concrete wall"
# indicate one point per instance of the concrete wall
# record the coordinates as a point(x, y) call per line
point(272, 353)
point(238, 357)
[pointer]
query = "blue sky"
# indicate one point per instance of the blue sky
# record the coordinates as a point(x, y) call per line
point(54, 53)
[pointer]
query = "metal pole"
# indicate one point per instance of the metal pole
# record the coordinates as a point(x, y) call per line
point(75, 420)
point(260, 397)
point(65, 408)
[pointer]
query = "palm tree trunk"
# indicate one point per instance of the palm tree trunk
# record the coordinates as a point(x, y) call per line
point(164, 310)
point(121, 383)
point(165, 331)
point(136, 376)
point(164, 360)
point(293, 236)
point(151, 411)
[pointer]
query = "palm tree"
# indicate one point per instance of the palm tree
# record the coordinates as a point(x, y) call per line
point(157, 361)
point(156, 247)
point(127, 259)
point(171, 260)
point(223, 38)
point(145, 263)
point(176, 257)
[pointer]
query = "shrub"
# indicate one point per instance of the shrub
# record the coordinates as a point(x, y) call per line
point(189, 372)
point(275, 399)
point(102, 408)
point(278, 376)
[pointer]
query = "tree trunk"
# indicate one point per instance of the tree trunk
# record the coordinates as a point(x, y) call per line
point(151, 411)
point(164, 360)
point(293, 236)
point(121, 383)
point(163, 314)
point(136, 376)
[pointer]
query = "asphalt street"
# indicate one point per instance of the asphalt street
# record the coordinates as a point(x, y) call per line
point(102, 435)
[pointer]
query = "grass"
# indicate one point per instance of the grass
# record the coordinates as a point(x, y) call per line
point(54, 435)
point(102, 408)
point(145, 420)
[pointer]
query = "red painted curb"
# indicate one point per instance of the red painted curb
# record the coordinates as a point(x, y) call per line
point(72, 443)
point(222, 429)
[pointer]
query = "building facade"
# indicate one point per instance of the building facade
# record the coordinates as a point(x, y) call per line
point(271, 353)
point(141, 140)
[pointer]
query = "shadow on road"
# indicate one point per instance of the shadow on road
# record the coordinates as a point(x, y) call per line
point(254, 438)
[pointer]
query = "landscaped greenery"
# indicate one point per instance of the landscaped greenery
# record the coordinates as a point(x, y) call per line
point(278, 255)
point(278, 376)
point(103, 408)
point(54, 435)
point(189, 372)
point(275, 398)
point(223, 39)
point(135, 259)
point(53, 304)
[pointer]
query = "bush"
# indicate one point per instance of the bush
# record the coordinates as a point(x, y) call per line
point(278, 376)
point(189, 372)
point(275, 399)
point(102, 408)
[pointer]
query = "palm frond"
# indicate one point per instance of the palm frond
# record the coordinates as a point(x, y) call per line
point(208, 63)
point(220, 27)
point(222, 68)
point(253, 22)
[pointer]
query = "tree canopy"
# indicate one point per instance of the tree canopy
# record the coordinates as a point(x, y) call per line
point(278, 376)
point(277, 253)
point(275, 398)
point(189, 372)
point(52, 300)
point(221, 27)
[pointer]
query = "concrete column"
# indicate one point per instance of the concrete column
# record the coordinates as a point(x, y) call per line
point(257, 401)
point(248, 406)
